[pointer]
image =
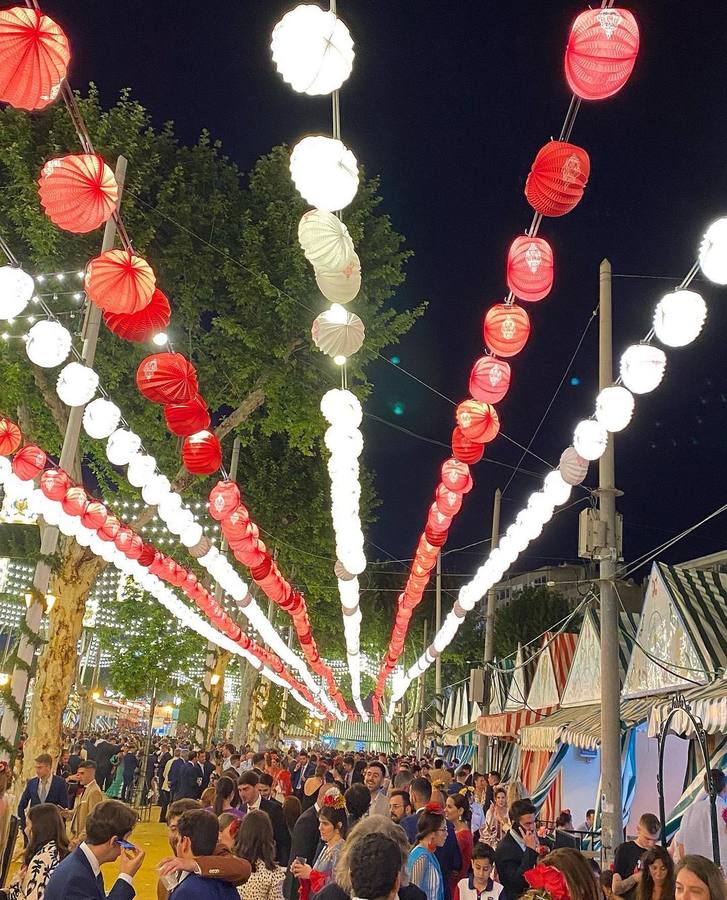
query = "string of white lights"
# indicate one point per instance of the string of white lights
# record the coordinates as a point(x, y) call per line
point(678, 320)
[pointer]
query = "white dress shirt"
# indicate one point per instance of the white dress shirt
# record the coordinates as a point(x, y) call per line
point(96, 866)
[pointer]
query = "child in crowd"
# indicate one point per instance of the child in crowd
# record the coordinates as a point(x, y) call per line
point(480, 884)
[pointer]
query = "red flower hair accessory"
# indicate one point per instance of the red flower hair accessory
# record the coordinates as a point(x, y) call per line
point(434, 808)
point(549, 881)
point(334, 801)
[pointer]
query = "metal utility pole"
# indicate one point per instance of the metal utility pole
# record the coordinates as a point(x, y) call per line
point(10, 725)
point(611, 803)
point(482, 741)
point(437, 626)
point(422, 716)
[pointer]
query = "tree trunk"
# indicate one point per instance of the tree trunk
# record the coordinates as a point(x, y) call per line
point(217, 691)
point(57, 663)
point(248, 679)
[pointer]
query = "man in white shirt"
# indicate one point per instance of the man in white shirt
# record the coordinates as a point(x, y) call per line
point(695, 833)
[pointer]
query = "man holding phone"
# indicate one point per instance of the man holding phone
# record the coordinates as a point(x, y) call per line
point(518, 850)
point(78, 876)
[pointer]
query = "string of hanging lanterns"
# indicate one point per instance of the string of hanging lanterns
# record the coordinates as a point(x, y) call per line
point(79, 193)
point(67, 505)
point(678, 320)
point(313, 51)
point(599, 58)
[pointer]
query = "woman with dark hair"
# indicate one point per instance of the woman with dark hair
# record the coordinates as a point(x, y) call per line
point(225, 797)
point(497, 819)
point(291, 810)
point(422, 865)
point(311, 787)
point(333, 827)
point(255, 843)
point(358, 800)
point(657, 876)
point(457, 811)
point(574, 869)
point(47, 846)
point(357, 775)
point(697, 878)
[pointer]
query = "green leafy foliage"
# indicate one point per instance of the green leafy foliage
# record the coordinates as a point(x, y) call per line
point(530, 612)
point(19, 542)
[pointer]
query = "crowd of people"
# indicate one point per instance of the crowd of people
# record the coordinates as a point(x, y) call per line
point(299, 825)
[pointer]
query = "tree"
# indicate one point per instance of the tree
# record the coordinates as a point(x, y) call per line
point(531, 612)
point(243, 298)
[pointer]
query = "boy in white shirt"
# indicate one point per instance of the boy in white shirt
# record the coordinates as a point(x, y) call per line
point(480, 884)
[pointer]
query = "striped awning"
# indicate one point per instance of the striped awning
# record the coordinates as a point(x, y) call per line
point(455, 736)
point(708, 702)
point(546, 733)
point(586, 732)
point(701, 598)
point(508, 725)
point(357, 731)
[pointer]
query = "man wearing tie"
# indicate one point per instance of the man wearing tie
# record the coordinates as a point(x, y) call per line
point(44, 788)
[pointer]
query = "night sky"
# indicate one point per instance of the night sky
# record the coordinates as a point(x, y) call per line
point(448, 103)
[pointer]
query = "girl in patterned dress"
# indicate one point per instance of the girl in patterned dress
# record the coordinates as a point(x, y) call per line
point(47, 846)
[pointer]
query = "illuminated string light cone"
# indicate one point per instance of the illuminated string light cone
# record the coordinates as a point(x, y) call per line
point(312, 49)
point(325, 172)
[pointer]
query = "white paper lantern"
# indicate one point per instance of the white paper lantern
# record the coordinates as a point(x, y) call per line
point(325, 241)
point(679, 317)
point(155, 489)
point(642, 368)
point(713, 252)
point(614, 407)
point(572, 466)
point(312, 50)
point(341, 286)
point(76, 384)
point(121, 446)
point(191, 535)
point(141, 469)
point(338, 332)
point(325, 172)
point(541, 507)
point(48, 344)
point(16, 289)
point(342, 407)
point(590, 439)
point(101, 418)
point(170, 506)
point(556, 488)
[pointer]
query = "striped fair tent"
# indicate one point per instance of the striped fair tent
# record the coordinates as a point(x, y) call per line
point(708, 702)
point(551, 672)
point(718, 761)
point(356, 731)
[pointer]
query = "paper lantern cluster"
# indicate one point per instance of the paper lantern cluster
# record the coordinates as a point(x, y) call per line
point(243, 536)
point(34, 57)
point(143, 325)
point(78, 193)
point(557, 178)
point(601, 52)
point(312, 49)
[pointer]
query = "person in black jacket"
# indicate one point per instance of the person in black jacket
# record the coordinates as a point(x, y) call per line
point(250, 794)
point(190, 778)
point(518, 850)
point(305, 838)
point(104, 751)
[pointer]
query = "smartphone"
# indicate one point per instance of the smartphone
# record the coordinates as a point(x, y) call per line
point(125, 844)
point(517, 829)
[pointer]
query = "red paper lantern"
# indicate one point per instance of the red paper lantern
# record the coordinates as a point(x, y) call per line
point(530, 268)
point(146, 557)
point(54, 483)
point(141, 326)
point(557, 178)
point(601, 52)
point(506, 328)
point(188, 418)
point(29, 462)
point(167, 378)
point(118, 281)
point(489, 380)
point(202, 453)
point(78, 193)
point(464, 449)
point(109, 529)
point(439, 539)
point(436, 521)
point(34, 57)
point(455, 474)
point(224, 500)
point(478, 421)
point(75, 500)
point(123, 538)
point(263, 570)
point(10, 437)
point(448, 502)
point(94, 515)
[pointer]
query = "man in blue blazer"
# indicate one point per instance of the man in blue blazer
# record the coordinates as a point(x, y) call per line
point(44, 788)
point(78, 876)
point(198, 832)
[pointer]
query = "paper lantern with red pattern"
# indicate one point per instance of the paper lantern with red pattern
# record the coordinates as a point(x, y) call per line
point(506, 329)
point(187, 418)
point(94, 515)
point(438, 539)
point(141, 326)
point(119, 281)
point(601, 52)
point(167, 378)
point(448, 502)
point(530, 268)
point(54, 483)
point(78, 192)
point(224, 500)
point(10, 437)
point(74, 501)
point(464, 449)
point(146, 557)
point(558, 178)
point(109, 529)
point(34, 57)
point(29, 462)
point(202, 453)
point(478, 421)
point(455, 474)
point(437, 521)
point(489, 379)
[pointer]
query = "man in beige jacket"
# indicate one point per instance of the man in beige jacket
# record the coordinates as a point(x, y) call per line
point(87, 801)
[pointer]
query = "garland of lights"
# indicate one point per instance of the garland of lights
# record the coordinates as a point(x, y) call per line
point(678, 320)
point(600, 57)
point(313, 51)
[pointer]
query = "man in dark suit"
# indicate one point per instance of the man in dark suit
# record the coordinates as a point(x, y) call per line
point(251, 796)
point(304, 768)
point(44, 788)
point(190, 778)
point(105, 749)
point(198, 832)
point(208, 768)
point(518, 850)
point(175, 772)
point(420, 793)
point(78, 876)
point(306, 838)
